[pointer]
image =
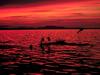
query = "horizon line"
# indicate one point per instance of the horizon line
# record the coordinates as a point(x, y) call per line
point(44, 28)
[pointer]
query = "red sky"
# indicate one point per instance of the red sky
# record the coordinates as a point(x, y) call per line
point(67, 13)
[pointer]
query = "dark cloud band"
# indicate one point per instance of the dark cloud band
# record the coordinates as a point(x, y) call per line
point(10, 2)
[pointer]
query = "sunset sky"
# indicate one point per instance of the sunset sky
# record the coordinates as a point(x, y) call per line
point(37, 13)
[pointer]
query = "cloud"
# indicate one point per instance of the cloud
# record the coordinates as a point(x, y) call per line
point(78, 14)
point(12, 2)
point(51, 14)
point(7, 2)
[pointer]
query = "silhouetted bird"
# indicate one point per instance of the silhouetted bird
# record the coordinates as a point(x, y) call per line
point(81, 29)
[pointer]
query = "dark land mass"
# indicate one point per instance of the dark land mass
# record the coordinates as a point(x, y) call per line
point(44, 27)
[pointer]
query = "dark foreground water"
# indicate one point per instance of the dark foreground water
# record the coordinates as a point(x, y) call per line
point(65, 52)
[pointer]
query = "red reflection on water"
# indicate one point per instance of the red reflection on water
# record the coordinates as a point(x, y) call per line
point(69, 55)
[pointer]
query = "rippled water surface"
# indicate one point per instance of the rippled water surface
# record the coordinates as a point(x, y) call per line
point(22, 52)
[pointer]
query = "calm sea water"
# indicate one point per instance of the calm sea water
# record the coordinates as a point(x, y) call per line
point(25, 56)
